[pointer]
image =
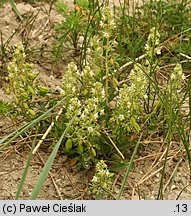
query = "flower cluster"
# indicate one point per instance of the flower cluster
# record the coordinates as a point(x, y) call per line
point(85, 98)
point(96, 45)
point(130, 101)
point(173, 88)
point(85, 89)
point(22, 83)
point(71, 81)
point(107, 22)
point(152, 47)
point(81, 83)
point(105, 39)
point(101, 183)
point(177, 77)
point(107, 29)
point(85, 124)
point(21, 78)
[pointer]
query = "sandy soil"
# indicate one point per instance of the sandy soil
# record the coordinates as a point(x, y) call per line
point(64, 181)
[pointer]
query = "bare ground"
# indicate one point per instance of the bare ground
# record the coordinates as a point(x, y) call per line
point(65, 181)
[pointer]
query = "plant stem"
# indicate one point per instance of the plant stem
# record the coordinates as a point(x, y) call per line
point(107, 72)
point(129, 168)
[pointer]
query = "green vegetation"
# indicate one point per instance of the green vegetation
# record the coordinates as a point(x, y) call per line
point(129, 83)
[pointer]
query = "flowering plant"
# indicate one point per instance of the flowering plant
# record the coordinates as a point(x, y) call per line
point(23, 84)
point(101, 183)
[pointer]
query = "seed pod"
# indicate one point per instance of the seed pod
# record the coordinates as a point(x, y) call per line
point(115, 82)
point(43, 89)
point(69, 131)
point(25, 105)
point(31, 76)
point(22, 90)
point(92, 152)
point(68, 145)
point(32, 112)
point(31, 90)
point(23, 78)
point(80, 147)
point(16, 100)
point(135, 124)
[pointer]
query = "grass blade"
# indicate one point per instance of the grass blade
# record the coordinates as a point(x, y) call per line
point(47, 167)
point(25, 127)
point(129, 168)
point(21, 184)
point(14, 7)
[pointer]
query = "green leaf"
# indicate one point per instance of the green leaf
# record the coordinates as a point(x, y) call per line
point(14, 7)
point(47, 167)
point(129, 166)
point(22, 129)
point(135, 124)
point(21, 184)
point(68, 145)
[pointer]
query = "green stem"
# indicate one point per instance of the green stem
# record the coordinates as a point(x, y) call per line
point(129, 168)
point(14, 7)
point(107, 72)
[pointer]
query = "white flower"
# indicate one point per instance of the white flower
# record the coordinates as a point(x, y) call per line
point(95, 116)
point(72, 67)
point(112, 24)
point(183, 77)
point(90, 129)
point(173, 76)
point(146, 46)
point(105, 34)
point(83, 115)
point(158, 50)
point(101, 23)
point(86, 111)
point(70, 107)
point(73, 89)
point(145, 96)
point(121, 117)
point(91, 73)
point(103, 93)
point(99, 49)
point(96, 100)
point(100, 165)
point(102, 112)
point(133, 86)
point(95, 179)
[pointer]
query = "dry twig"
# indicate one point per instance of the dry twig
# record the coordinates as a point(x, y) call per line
point(47, 132)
